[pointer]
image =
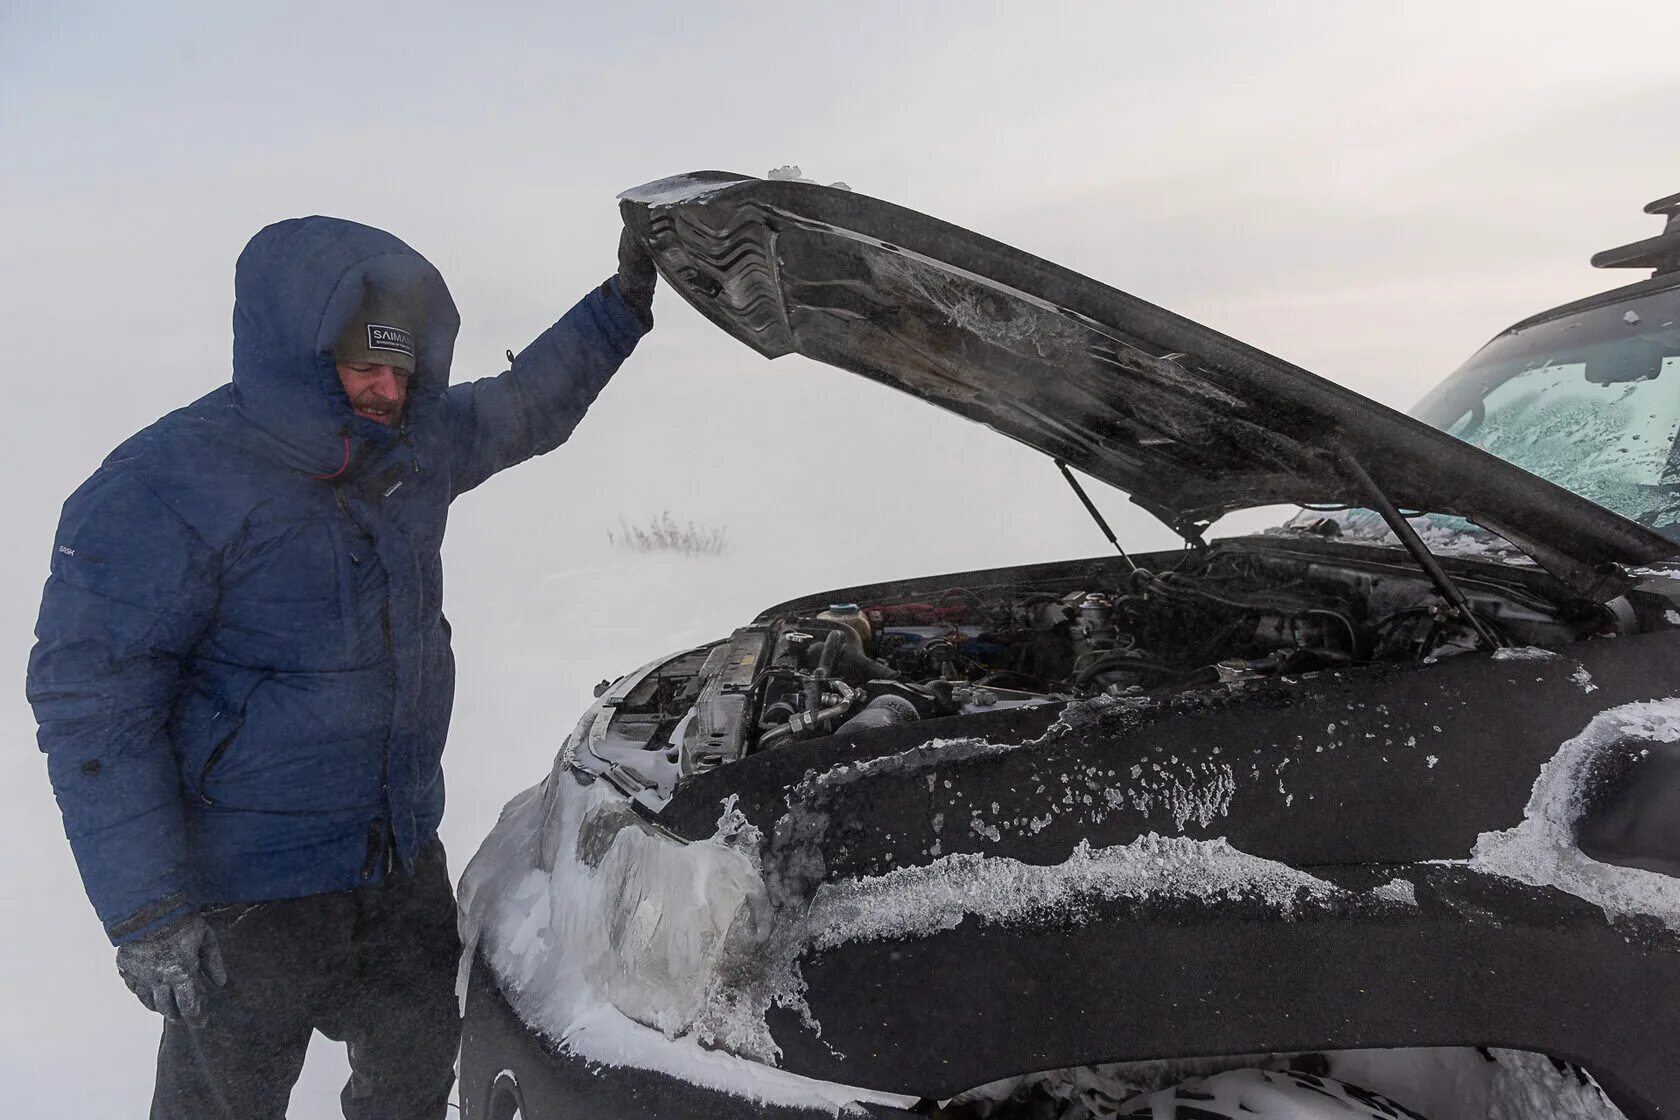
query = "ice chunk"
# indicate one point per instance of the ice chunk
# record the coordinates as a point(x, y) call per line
point(1398, 890)
point(1522, 653)
point(790, 173)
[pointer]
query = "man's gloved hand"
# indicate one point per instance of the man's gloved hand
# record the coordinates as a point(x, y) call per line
point(636, 276)
point(168, 969)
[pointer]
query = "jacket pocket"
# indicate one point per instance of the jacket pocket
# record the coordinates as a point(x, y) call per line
point(217, 753)
point(303, 743)
point(206, 726)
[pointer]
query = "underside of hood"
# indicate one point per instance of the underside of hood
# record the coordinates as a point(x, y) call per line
point(1191, 423)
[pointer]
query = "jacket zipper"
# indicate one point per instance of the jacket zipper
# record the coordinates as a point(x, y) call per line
point(380, 835)
point(374, 832)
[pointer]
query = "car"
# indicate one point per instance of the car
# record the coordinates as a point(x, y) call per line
point(1372, 813)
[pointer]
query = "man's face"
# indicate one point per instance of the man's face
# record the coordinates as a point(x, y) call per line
point(376, 392)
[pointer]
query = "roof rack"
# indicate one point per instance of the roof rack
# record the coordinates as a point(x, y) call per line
point(1661, 253)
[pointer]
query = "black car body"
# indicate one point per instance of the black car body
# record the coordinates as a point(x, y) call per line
point(1400, 775)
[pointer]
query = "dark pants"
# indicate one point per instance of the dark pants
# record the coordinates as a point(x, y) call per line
point(372, 968)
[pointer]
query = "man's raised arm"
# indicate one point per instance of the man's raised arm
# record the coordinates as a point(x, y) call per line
point(497, 422)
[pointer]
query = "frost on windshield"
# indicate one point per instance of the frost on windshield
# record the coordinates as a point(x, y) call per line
point(1609, 442)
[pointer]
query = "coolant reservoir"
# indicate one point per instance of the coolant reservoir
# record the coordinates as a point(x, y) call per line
point(848, 614)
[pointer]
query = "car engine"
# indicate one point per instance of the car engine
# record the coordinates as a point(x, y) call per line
point(1206, 618)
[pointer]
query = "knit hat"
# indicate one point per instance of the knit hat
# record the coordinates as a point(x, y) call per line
point(382, 330)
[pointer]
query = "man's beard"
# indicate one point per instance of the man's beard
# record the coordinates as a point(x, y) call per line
point(367, 403)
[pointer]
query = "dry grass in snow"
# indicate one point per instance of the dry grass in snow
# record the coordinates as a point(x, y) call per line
point(663, 534)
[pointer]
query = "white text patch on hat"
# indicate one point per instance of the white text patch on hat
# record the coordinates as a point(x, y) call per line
point(381, 337)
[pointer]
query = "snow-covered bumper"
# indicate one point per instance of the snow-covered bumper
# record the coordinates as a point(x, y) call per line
point(1373, 859)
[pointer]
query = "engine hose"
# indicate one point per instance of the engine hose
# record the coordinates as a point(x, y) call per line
point(826, 658)
point(1118, 662)
point(1275, 606)
point(1355, 645)
point(802, 723)
point(889, 710)
point(830, 653)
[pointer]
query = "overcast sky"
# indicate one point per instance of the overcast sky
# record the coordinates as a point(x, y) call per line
point(1367, 190)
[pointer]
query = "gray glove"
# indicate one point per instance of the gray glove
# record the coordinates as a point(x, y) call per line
point(168, 969)
point(636, 276)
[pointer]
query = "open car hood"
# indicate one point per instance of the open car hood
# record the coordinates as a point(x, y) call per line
point(1189, 422)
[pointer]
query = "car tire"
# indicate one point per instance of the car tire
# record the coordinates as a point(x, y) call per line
point(1256, 1094)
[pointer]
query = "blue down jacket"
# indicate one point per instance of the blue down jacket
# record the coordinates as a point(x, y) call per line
point(242, 672)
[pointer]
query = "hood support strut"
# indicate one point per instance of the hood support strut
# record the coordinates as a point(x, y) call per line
point(1414, 544)
point(1090, 508)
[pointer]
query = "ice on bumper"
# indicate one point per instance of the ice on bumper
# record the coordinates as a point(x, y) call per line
point(615, 941)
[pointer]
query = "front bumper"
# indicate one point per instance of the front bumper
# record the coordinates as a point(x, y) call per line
point(1378, 784)
point(506, 1063)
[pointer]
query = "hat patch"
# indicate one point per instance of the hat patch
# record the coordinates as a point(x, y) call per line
point(381, 337)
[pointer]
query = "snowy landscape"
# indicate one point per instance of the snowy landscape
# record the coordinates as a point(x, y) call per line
point(1309, 180)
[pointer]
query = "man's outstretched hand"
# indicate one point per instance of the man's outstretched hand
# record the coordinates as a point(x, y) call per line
point(636, 276)
point(169, 969)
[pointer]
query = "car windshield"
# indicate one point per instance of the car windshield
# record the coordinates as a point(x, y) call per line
point(1588, 400)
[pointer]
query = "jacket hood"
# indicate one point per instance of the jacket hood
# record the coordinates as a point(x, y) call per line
point(296, 286)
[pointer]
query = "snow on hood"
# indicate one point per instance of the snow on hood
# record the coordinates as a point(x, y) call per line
point(676, 190)
point(1542, 851)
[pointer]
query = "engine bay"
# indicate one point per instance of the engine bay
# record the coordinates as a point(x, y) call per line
point(1210, 618)
point(1227, 617)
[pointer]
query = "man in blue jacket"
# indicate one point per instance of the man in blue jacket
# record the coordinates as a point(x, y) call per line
point(243, 676)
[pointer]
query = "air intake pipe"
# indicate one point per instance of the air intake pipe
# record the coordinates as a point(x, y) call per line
point(883, 711)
